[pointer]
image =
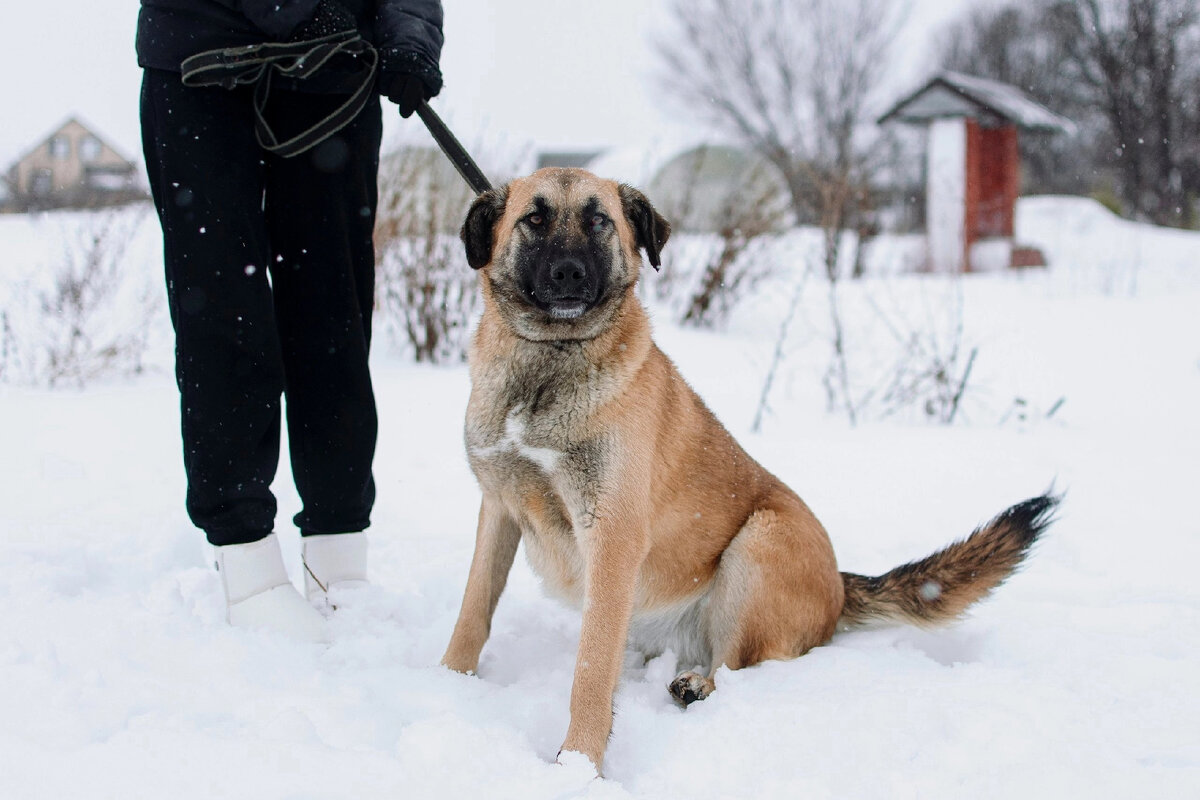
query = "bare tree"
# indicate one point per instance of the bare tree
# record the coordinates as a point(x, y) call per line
point(792, 80)
point(1139, 57)
point(1126, 71)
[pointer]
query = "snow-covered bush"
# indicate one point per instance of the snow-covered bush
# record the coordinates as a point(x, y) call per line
point(723, 231)
point(931, 369)
point(425, 293)
point(880, 347)
point(87, 313)
point(427, 297)
point(705, 276)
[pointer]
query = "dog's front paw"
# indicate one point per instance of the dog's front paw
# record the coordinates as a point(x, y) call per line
point(577, 762)
point(464, 665)
point(574, 750)
point(688, 687)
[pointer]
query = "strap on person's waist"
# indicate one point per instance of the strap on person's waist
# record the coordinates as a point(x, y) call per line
point(254, 64)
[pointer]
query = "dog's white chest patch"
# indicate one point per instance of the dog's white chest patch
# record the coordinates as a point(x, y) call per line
point(514, 441)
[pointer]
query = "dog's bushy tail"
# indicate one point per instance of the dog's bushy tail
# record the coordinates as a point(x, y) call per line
point(939, 588)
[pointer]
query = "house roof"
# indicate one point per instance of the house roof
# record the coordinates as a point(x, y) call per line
point(566, 158)
point(71, 120)
point(954, 94)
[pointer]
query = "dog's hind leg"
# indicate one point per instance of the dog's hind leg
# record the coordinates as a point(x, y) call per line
point(776, 594)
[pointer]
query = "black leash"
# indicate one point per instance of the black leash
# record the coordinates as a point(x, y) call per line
point(453, 149)
point(256, 63)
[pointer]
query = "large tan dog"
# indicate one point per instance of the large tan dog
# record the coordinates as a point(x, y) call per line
point(634, 503)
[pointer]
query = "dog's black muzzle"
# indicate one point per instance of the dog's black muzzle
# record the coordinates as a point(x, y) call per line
point(566, 286)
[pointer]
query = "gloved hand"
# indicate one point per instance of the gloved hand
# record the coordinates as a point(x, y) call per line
point(407, 91)
point(407, 78)
point(328, 18)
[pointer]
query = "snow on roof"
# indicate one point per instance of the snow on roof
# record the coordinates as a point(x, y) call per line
point(632, 165)
point(956, 94)
point(638, 165)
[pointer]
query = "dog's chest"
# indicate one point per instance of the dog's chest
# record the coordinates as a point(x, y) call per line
point(530, 421)
point(540, 463)
point(507, 448)
point(520, 451)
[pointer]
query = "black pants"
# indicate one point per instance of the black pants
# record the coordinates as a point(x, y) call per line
point(270, 276)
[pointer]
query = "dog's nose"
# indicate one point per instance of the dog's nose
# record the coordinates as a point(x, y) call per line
point(568, 277)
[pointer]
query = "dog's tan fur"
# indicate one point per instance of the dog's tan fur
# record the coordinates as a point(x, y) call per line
point(633, 501)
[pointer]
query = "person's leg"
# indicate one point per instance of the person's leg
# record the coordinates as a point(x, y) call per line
point(206, 174)
point(320, 208)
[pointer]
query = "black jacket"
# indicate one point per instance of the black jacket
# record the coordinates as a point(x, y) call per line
point(407, 33)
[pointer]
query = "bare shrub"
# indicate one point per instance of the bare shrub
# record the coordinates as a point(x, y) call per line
point(731, 201)
point(89, 316)
point(930, 361)
point(929, 375)
point(428, 295)
point(751, 210)
point(905, 346)
point(425, 291)
point(777, 356)
point(1026, 414)
point(9, 358)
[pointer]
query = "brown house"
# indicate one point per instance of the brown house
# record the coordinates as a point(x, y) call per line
point(71, 168)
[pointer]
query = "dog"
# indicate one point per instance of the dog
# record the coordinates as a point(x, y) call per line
point(633, 501)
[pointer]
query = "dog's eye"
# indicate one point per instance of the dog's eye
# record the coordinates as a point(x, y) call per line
point(599, 221)
point(536, 220)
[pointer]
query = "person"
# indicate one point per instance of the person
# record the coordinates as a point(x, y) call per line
point(270, 272)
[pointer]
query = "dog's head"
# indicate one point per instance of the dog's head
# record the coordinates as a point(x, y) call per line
point(560, 250)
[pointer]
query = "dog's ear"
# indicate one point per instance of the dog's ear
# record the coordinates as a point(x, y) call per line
point(650, 230)
point(479, 226)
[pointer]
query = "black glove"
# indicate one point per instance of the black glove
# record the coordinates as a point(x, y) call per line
point(328, 18)
point(407, 92)
point(407, 79)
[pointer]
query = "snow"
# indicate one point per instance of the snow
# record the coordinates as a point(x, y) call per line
point(954, 94)
point(1009, 101)
point(1079, 678)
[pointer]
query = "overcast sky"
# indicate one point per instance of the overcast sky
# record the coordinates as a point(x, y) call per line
point(519, 73)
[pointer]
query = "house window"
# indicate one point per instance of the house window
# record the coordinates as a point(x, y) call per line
point(41, 183)
point(89, 149)
point(60, 147)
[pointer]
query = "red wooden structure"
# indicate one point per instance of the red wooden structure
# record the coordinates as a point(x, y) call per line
point(973, 174)
point(993, 178)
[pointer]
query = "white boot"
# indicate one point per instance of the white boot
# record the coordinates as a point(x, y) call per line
point(259, 595)
point(336, 561)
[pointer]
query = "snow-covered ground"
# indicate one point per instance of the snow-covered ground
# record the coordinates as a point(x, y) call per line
point(1079, 678)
